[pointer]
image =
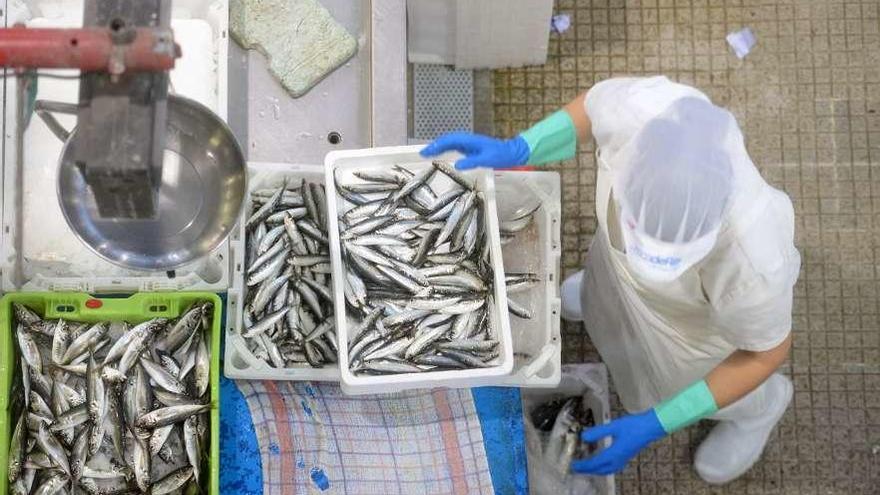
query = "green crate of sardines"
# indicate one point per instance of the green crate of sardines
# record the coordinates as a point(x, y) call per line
point(109, 395)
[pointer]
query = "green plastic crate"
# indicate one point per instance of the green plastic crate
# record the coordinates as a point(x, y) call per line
point(137, 308)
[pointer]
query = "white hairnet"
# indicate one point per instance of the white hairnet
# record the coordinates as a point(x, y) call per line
point(676, 178)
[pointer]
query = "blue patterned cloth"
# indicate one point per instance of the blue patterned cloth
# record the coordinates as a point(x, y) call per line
point(240, 469)
point(500, 415)
point(501, 419)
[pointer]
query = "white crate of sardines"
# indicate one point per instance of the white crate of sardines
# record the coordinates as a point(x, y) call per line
point(280, 323)
point(419, 283)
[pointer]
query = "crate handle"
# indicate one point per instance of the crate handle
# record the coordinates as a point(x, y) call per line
point(111, 308)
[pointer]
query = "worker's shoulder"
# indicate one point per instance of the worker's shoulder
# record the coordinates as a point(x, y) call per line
point(756, 248)
point(653, 92)
point(619, 107)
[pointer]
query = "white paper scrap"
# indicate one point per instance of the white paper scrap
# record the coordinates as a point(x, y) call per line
point(742, 42)
point(560, 23)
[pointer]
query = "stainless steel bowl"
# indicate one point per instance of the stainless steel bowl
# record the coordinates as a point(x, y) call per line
point(204, 179)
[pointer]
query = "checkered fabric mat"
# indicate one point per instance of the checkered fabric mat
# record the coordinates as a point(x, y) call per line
point(314, 439)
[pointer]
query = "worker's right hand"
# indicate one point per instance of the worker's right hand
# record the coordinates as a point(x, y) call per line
point(629, 435)
point(481, 151)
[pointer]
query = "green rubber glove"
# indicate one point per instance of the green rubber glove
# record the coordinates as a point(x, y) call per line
point(552, 139)
point(686, 407)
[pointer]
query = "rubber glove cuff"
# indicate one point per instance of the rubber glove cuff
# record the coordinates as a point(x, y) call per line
point(686, 407)
point(551, 140)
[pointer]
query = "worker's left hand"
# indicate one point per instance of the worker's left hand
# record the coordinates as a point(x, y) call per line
point(480, 151)
point(629, 435)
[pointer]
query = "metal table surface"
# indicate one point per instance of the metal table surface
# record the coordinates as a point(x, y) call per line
point(363, 102)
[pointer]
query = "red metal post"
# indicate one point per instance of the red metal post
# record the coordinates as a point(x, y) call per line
point(87, 49)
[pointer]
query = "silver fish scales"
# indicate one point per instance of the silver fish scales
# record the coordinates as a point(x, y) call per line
point(289, 287)
point(418, 276)
point(81, 419)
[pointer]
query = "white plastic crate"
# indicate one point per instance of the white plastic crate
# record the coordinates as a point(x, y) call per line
point(239, 362)
point(38, 251)
point(346, 162)
point(537, 343)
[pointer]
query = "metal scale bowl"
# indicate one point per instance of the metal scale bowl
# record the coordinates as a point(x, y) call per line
point(204, 179)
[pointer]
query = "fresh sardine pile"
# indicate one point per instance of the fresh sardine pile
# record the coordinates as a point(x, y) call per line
point(108, 407)
point(418, 272)
point(288, 315)
point(562, 421)
point(518, 282)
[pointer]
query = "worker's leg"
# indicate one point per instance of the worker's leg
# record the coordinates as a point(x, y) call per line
point(736, 442)
point(571, 297)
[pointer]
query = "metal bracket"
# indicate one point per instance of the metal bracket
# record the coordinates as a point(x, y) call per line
point(44, 109)
point(122, 115)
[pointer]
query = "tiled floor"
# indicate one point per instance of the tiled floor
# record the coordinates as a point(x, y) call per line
point(808, 99)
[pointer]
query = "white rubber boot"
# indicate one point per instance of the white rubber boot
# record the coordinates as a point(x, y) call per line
point(571, 297)
point(734, 445)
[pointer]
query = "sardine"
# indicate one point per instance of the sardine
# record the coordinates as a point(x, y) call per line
point(265, 324)
point(184, 327)
point(39, 406)
point(38, 460)
point(173, 481)
point(84, 342)
point(425, 338)
point(453, 174)
point(50, 445)
point(269, 239)
point(113, 423)
point(52, 485)
point(24, 315)
point(468, 345)
point(106, 474)
point(517, 310)
point(60, 339)
point(29, 349)
point(202, 368)
point(78, 453)
point(161, 377)
point(95, 398)
point(118, 348)
point(159, 437)
point(264, 211)
point(563, 422)
point(70, 419)
point(439, 361)
point(171, 399)
point(141, 463)
point(191, 443)
point(280, 216)
point(391, 366)
point(169, 415)
point(16, 449)
point(462, 307)
point(269, 269)
point(465, 358)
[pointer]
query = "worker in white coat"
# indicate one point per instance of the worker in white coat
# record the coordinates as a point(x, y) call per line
point(687, 288)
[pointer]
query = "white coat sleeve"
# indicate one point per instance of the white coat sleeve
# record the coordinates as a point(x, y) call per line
point(619, 107)
point(750, 282)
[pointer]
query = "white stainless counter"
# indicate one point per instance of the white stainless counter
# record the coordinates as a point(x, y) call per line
point(364, 102)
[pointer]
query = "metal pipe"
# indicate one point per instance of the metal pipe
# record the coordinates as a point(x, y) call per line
point(87, 49)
